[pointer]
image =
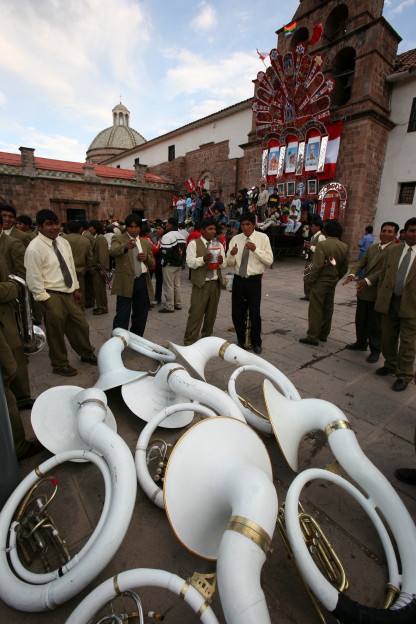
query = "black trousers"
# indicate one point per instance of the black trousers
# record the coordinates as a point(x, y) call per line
point(158, 273)
point(137, 305)
point(246, 295)
point(368, 325)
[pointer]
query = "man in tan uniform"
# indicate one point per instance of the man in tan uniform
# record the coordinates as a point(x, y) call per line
point(82, 253)
point(9, 224)
point(13, 252)
point(206, 284)
point(101, 260)
point(52, 279)
point(330, 263)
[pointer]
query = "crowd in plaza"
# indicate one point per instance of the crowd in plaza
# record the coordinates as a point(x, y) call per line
point(71, 267)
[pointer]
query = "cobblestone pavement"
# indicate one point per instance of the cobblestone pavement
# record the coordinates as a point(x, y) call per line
point(383, 421)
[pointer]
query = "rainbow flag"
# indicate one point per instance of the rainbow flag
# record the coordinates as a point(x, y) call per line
point(290, 29)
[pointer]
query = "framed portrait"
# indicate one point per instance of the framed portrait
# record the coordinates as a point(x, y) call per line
point(273, 162)
point(290, 188)
point(281, 188)
point(291, 157)
point(312, 187)
point(312, 154)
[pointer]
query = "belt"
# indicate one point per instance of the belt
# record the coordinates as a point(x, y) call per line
point(57, 292)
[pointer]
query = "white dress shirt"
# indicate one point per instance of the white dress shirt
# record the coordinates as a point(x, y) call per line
point(136, 251)
point(257, 260)
point(43, 271)
point(412, 258)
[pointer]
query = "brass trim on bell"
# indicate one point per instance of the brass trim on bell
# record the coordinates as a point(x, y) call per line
point(336, 424)
point(223, 349)
point(123, 340)
point(202, 608)
point(172, 370)
point(250, 529)
point(116, 586)
point(205, 584)
point(184, 590)
point(39, 472)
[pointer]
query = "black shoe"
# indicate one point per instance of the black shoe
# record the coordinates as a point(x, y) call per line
point(304, 298)
point(65, 371)
point(26, 404)
point(356, 347)
point(165, 311)
point(90, 359)
point(257, 349)
point(407, 475)
point(178, 307)
point(34, 448)
point(399, 385)
point(373, 357)
point(385, 370)
point(322, 339)
point(307, 341)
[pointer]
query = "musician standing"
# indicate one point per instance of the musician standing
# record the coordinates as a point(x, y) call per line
point(52, 279)
point(102, 263)
point(310, 246)
point(82, 254)
point(9, 224)
point(249, 253)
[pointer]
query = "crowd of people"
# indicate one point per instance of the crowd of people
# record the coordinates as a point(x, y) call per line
point(69, 269)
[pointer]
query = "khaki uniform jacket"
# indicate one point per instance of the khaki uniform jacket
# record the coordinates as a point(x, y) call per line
point(100, 251)
point(9, 292)
point(322, 270)
point(372, 261)
point(198, 275)
point(387, 278)
point(124, 272)
point(22, 236)
point(13, 252)
point(81, 251)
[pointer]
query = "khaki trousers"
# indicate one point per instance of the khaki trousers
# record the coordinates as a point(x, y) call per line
point(65, 318)
point(100, 291)
point(204, 305)
point(398, 341)
point(321, 309)
point(172, 286)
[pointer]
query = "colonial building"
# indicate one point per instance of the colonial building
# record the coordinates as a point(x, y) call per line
point(79, 190)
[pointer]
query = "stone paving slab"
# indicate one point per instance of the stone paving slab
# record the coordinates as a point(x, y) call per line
point(383, 421)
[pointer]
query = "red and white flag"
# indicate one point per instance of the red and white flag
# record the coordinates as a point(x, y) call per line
point(331, 156)
point(190, 184)
point(201, 183)
point(262, 55)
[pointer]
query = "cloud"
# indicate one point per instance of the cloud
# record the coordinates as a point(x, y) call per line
point(403, 5)
point(71, 51)
point(2, 99)
point(228, 78)
point(206, 18)
point(56, 146)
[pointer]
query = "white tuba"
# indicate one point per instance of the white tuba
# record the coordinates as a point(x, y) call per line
point(291, 420)
point(172, 384)
point(195, 357)
point(225, 510)
point(112, 371)
point(26, 591)
point(141, 577)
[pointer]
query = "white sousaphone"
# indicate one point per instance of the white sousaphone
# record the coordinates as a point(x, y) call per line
point(141, 577)
point(112, 371)
point(172, 384)
point(28, 591)
point(226, 509)
point(291, 421)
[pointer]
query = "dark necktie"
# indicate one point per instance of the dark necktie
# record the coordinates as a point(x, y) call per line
point(210, 273)
point(64, 267)
point(401, 273)
point(244, 260)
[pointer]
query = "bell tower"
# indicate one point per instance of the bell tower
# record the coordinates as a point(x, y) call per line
point(359, 48)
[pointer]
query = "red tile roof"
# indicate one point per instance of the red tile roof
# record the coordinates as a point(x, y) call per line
point(406, 61)
point(76, 167)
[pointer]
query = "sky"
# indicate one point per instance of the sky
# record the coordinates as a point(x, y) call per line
point(64, 64)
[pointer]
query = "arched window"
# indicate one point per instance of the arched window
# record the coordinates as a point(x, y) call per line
point(343, 68)
point(300, 36)
point(335, 25)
